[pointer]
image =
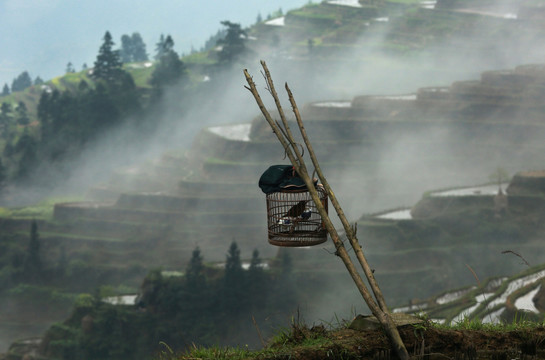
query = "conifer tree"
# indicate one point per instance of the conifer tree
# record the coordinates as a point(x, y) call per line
point(138, 48)
point(233, 44)
point(21, 82)
point(126, 49)
point(197, 305)
point(160, 47)
point(27, 146)
point(108, 63)
point(5, 90)
point(22, 114)
point(257, 283)
point(170, 70)
point(70, 68)
point(233, 283)
point(133, 48)
point(5, 114)
point(33, 261)
point(194, 274)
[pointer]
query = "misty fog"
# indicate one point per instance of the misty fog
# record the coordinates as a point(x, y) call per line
point(400, 177)
point(405, 167)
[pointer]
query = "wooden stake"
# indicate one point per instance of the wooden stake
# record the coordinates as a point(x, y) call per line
point(285, 136)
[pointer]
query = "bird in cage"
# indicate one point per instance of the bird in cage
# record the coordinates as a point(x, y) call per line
point(297, 209)
point(295, 214)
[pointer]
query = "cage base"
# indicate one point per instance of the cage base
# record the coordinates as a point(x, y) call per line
point(297, 238)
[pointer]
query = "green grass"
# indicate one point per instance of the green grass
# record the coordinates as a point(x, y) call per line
point(288, 340)
point(42, 210)
point(299, 338)
point(140, 74)
point(200, 352)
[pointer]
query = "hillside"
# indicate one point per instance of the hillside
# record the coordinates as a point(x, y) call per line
point(421, 118)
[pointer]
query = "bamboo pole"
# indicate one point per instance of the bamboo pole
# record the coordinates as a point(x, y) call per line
point(348, 229)
point(285, 136)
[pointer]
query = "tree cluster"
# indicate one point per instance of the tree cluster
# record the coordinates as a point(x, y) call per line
point(21, 82)
point(133, 48)
point(72, 118)
point(69, 120)
point(206, 306)
point(233, 44)
point(169, 70)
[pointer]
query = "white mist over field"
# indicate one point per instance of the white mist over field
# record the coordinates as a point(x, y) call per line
point(362, 71)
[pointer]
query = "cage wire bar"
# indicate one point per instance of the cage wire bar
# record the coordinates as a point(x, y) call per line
point(293, 219)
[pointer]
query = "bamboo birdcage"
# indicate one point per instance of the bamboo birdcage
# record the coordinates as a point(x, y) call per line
point(293, 219)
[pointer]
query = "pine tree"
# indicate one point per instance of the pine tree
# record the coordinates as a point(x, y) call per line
point(22, 114)
point(70, 68)
point(33, 261)
point(38, 81)
point(233, 297)
point(27, 146)
point(133, 48)
point(21, 82)
point(257, 284)
point(5, 90)
point(194, 274)
point(197, 304)
point(5, 114)
point(138, 48)
point(108, 65)
point(233, 45)
point(169, 71)
point(160, 47)
point(126, 49)
point(117, 96)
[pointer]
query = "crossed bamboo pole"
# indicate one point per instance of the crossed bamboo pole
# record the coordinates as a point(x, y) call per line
point(377, 305)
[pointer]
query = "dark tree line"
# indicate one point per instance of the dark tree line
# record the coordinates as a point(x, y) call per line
point(206, 306)
point(21, 82)
point(209, 309)
point(71, 119)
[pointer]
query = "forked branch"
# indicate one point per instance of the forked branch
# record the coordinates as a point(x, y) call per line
point(285, 136)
